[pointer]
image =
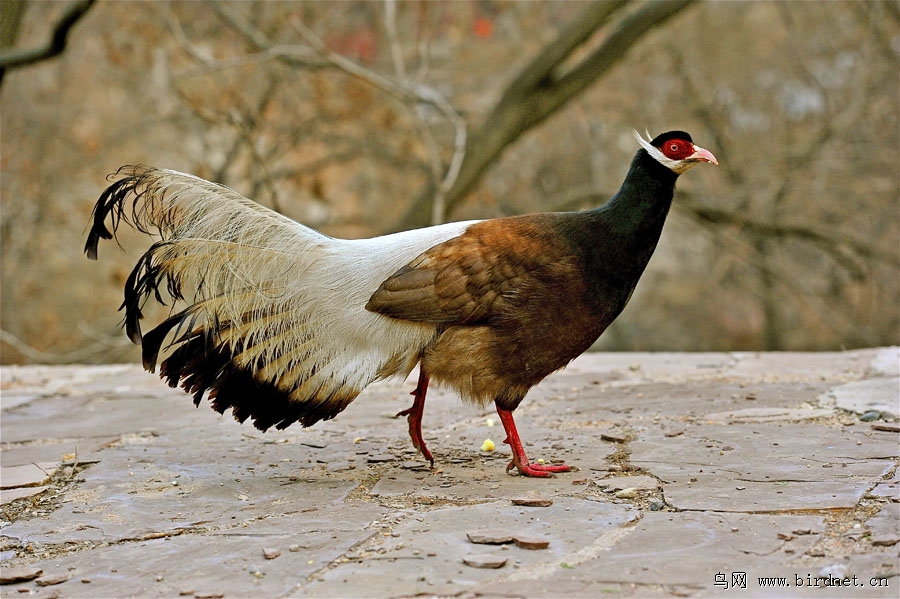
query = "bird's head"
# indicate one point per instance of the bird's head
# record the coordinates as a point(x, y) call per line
point(675, 150)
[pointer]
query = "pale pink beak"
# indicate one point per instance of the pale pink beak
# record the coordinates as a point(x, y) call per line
point(701, 155)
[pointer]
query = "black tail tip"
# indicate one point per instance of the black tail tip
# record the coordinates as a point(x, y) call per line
point(90, 248)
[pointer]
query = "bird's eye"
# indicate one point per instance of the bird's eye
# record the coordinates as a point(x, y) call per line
point(676, 149)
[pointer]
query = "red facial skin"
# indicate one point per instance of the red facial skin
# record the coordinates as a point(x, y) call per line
point(677, 149)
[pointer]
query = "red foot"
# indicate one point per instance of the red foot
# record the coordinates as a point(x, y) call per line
point(414, 417)
point(520, 460)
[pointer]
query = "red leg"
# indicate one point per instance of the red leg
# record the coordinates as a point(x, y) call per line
point(414, 416)
point(520, 460)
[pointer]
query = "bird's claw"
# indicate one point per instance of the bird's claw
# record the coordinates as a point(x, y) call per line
point(520, 460)
point(419, 443)
point(424, 451)
point(414, 417)
point(537, 470)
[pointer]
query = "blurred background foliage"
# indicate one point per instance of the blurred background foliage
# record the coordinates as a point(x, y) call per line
point(361, 118)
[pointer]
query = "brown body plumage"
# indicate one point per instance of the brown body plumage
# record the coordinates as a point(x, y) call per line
point(510, 296)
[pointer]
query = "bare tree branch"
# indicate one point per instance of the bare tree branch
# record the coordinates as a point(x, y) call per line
point(11, 59)
point(872, 16)
point(390, 26)
point(247, 123)
point(540, 72)
point(316, 55)
point(829, 241)
point(292, 55)
point(766, 235)
point(438, 211)
point(544, 86)
point(408, 91)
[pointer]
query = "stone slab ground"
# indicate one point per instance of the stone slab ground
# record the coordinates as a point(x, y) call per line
point(698, 475)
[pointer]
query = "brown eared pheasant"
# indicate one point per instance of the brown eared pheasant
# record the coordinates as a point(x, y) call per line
point(284, 324)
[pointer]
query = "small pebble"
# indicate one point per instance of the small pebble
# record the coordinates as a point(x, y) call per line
point(613, 437)
point(870, 416)
point(887, 540)
point(271, 553)
point(46, 581)
point(340, 467)
point(484, 561)
point(256, 571)
point(629, 493)
point(890, 427)
point(13, 575)
point(656, 506)
point(490, 536)
point(532, 501)
point(531, 542)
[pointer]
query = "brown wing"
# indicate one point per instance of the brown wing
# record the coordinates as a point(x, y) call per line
point(474, 276)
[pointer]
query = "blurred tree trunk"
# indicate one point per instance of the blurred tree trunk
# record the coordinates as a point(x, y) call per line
point(544, 86)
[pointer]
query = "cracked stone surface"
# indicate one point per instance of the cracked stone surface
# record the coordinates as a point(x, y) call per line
point(752, 470)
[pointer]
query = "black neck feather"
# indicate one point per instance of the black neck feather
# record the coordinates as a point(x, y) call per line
point(617, 240)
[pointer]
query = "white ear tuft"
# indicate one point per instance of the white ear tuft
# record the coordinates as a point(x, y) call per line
point(645, 143)
point(653, 151)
